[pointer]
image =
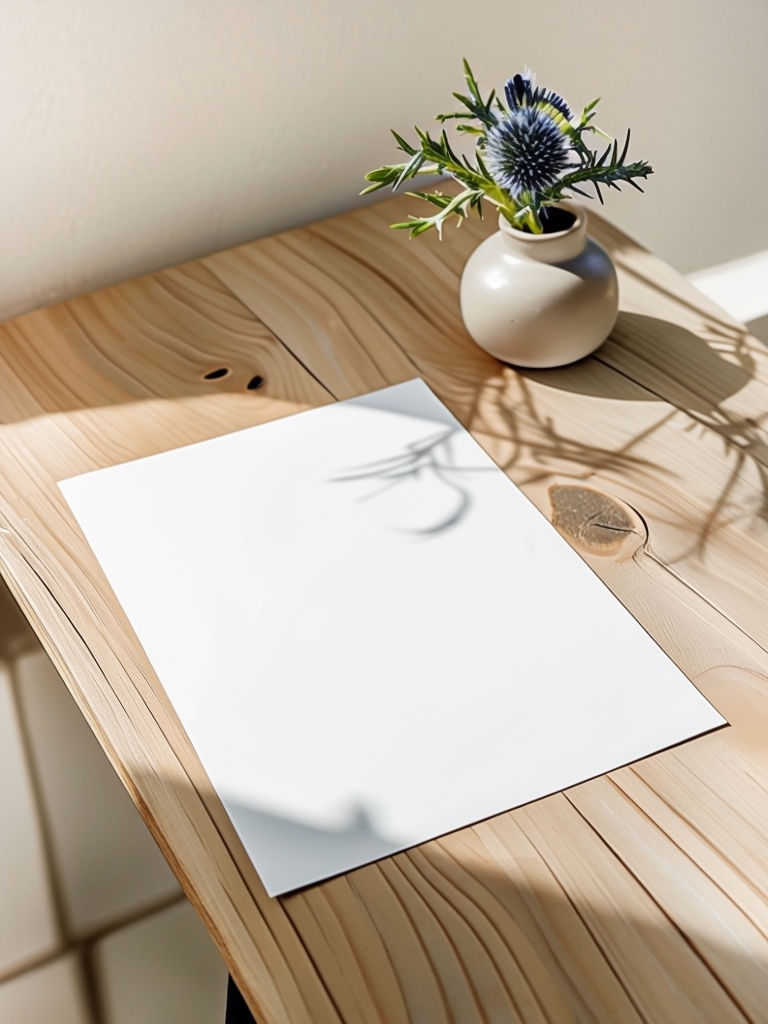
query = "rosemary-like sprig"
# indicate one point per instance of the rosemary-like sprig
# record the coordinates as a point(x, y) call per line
point(530, 152)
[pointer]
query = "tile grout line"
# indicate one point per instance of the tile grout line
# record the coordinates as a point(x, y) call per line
point(82, 943)
point(64, 947)
point(46, 838)
point(70, 936)
point(79, 946)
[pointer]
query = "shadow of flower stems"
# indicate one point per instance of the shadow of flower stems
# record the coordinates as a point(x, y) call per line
point(668, 379)
point(432, 457)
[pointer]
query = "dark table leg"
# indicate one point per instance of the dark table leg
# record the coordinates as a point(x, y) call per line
point(237, 1011)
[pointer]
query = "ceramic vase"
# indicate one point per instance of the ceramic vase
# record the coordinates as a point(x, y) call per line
point(540, 300)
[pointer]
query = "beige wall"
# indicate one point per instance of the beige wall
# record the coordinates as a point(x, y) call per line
point(139, 134)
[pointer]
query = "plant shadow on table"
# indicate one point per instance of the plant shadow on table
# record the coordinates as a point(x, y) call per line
point(451, 916)
point(604, 961)
point(645, 360)
point(658, 359)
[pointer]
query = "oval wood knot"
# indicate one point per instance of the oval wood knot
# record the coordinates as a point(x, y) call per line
point(594, 520)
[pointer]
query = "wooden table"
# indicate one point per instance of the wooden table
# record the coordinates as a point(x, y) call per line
point(639, 896)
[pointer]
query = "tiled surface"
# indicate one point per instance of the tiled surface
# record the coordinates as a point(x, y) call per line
point(55, 992)
point(107, 864)
point(93, 926)
point(28, 926)
point(160, 969)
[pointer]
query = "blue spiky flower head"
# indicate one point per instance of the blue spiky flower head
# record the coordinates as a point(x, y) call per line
point(526, 151)
point(521, 91)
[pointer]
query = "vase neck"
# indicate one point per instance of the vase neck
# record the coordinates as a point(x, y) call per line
point(555, 247)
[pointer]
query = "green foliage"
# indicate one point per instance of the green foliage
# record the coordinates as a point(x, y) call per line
point(479, 117)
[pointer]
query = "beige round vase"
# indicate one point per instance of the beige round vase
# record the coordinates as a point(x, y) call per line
point(540, 300)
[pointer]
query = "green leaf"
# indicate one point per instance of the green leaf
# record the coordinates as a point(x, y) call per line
point(425, 225)
point(402, 144)
point(435, 198)
point(382, 174)
point(468, 103)
point(481, 166)
point(404, 225)
point(380, 177)
point(624, 149)
point(410, 170)
point(457, 115)
point(470, 80)
point(588, 113)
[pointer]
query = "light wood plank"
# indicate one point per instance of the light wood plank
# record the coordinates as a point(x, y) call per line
point(717, 928)
point(668, 982)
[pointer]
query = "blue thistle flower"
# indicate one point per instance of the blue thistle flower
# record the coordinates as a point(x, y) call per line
point(530, 153)
point(520, 92)
point(527, 151)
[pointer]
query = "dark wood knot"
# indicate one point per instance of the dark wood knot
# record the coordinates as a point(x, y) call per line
point(594, 520)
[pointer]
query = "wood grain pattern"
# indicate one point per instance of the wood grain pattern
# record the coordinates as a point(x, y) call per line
point(639, 896)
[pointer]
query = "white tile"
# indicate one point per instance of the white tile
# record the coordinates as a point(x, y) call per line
point(27, 919)
point(162, 970)
point(54, 992)
point(107, 863)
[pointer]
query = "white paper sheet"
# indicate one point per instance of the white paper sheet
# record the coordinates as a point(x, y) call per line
point(369, 633)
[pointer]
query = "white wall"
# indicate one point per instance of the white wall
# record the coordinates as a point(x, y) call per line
point(137, 134)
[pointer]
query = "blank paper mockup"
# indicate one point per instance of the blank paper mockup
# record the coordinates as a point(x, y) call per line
point(369, 633)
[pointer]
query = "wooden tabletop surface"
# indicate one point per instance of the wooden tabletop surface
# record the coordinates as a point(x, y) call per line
point(639, 896)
